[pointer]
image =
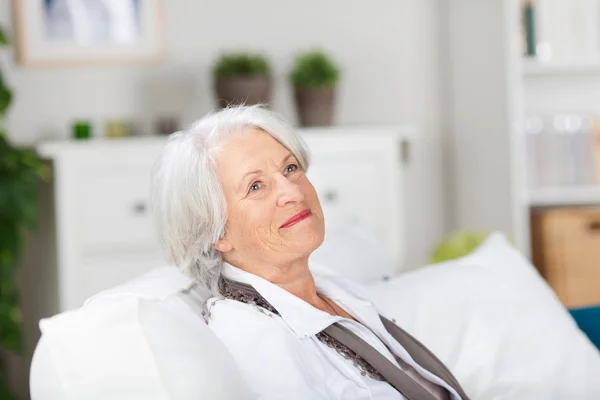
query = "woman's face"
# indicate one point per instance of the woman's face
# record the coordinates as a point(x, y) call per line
point(274, 214)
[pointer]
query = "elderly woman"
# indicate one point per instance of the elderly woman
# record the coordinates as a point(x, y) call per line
point(236, 210)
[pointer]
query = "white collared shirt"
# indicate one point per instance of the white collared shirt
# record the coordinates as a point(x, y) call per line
point(281, 358)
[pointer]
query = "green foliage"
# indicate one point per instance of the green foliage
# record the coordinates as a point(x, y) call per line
point(314, 69)
point(5, 96)
point(241, 64)
point(5, 392)
point(20, 172)
point(3, 42)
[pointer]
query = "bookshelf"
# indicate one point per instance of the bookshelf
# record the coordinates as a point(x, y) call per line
point(491, 88)
point(537, 68)
point(564, 196)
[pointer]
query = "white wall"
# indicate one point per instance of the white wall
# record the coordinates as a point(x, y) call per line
point(481, 98)
point(388, 49)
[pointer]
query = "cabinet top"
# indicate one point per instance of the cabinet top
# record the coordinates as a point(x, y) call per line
point(59, 148)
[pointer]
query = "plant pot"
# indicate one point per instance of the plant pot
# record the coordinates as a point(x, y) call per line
point(249, 90)
point(315, 105)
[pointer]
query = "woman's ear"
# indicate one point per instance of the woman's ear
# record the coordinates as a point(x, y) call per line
point(223, 245)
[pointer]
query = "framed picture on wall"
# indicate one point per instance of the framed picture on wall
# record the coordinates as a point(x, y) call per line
point(51, 32)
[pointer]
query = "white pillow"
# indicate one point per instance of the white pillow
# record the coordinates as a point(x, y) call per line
point(145, 339)
point(496, 324)
point(354, 251)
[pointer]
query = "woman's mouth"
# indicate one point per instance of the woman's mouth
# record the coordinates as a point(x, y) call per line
point(297, 218)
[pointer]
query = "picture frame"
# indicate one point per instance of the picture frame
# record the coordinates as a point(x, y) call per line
point(88, 32)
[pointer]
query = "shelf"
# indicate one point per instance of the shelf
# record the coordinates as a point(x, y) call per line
point(564, 196)
point(536, 68)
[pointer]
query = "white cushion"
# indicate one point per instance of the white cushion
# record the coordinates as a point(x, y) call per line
point(496, 324)
point(143, 340)
point(354, 251)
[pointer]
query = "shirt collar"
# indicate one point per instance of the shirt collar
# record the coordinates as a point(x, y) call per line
point(304, 319)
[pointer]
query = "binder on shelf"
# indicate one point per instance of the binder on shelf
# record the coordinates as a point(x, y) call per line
point(528, 27)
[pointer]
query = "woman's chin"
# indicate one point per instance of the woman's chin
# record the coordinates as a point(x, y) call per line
point(304, 236)
point(311, 242)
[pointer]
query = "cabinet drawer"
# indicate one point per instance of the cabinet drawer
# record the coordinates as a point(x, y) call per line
point(567, 251)
point(113, 208)
point(351, 186)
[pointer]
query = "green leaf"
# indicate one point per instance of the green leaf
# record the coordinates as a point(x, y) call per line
point(5, 392)
point(6, 260)
point(241, 64)
point(11, 318)
point(17, 202)
point(5, 99)
point(10, 241)
point(20, 172)
point(11, 326)
point(3, 42)
point(314, 69)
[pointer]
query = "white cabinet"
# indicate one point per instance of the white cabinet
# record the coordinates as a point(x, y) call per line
point(103, 227)
point(99, 231)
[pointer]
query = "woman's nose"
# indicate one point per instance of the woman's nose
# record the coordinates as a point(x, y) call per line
point(287, 191)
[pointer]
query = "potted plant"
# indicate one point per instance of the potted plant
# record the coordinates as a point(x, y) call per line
point(20, 171)
point(242, 78)
point(314, 77)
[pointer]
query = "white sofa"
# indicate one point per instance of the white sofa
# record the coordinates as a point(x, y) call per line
point(489, 316)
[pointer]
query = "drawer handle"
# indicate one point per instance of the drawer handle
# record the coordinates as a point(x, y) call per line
point(594, 226)
point(139, 207)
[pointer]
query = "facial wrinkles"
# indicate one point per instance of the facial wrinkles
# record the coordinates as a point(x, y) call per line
point(258, 216)
point(268, 235)
point(273, 237)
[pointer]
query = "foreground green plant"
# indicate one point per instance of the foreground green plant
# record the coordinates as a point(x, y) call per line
point(20, 173)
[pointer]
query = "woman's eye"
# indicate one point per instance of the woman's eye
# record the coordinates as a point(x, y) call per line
point(291, 168)
point(255, 186)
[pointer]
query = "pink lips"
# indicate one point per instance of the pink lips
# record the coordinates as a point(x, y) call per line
point(297, 218)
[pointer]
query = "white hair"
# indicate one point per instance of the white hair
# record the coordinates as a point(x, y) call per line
point(187, 199)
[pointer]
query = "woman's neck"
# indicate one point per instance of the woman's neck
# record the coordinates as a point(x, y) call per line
point(299, 281)
point(294, 277)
